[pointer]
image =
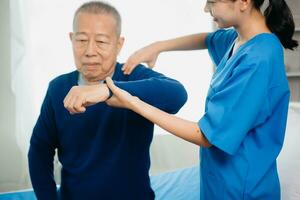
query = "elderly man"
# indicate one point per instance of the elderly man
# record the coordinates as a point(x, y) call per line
point(104, 150)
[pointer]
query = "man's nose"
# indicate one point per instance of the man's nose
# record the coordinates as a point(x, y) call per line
point(91, 49)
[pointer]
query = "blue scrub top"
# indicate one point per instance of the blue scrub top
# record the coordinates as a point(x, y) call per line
point(245, 118)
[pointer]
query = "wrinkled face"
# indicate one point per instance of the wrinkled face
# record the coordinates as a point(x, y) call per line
point(224, 12)
point(95, 45)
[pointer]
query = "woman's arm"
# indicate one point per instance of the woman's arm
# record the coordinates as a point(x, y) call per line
point(189, 42)
point(150, 53)
point(184, 129)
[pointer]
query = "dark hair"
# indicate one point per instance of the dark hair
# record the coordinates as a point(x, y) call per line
point(280, 21)
point(100, 7)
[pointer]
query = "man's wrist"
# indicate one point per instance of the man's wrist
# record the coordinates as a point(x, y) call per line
point(109, 92)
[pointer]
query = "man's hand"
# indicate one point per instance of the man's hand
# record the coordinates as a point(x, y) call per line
point(79, 97)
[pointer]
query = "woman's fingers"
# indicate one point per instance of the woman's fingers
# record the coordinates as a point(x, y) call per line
point(129, 66)
point(115, 90)
point(147, 54)
point(152, 63)
point(117, 100)
point(121, 98)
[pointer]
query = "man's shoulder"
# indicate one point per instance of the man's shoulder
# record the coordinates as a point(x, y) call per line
point(140, 72)
point(139, 66)
point(67, 78)
point(63, 82)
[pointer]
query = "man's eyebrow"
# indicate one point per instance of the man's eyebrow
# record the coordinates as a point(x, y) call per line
point(80, 33)
point(102, 35)
point(97, 35)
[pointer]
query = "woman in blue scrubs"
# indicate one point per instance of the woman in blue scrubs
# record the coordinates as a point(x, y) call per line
point(242, 130)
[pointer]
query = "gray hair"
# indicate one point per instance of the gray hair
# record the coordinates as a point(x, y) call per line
point(100, 7)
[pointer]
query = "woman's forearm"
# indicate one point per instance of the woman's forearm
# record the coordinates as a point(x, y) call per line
point(189, 42)
point(184, 129)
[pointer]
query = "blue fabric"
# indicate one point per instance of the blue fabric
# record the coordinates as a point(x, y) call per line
point(219, 43)
point(245, 118)
point(104, 152)
point(181, 184)
point(18, 195)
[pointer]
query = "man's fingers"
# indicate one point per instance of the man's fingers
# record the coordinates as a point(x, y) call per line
point(71, 105)
point(66, 100)
point(74, 104)
point(78, 105)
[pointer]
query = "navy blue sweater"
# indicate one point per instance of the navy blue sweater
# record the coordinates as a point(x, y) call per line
point(104, 152)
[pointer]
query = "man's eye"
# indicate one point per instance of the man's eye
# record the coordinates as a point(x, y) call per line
point(101, 42)
point(81, 40)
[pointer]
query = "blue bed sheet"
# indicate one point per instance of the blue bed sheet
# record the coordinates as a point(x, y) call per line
point(181, 184)
point(21, 195)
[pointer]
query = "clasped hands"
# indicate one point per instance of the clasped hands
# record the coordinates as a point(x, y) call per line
point(79, 97)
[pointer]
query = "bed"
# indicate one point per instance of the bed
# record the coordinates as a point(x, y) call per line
point(183, 184)
point(178, 185)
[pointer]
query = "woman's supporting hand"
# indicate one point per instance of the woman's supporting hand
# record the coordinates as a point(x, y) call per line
point(120, 98)
point(147, 54)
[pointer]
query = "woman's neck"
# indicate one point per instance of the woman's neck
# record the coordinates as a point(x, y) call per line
point(252, 25)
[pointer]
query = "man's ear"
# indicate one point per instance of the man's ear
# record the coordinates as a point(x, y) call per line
point(71, 36)
point(120, 43)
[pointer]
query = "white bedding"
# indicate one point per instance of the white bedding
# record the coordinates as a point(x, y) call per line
point(289, 158)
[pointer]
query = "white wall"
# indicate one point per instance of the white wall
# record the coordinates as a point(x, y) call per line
point(9, 165)
point(143, 22)
point(48, 50)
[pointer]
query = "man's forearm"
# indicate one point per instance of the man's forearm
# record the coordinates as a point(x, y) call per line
point(163, 93)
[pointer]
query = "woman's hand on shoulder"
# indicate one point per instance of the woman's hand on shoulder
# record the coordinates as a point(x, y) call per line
point(147, 54)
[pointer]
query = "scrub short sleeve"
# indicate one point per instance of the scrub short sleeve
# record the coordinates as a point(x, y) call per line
point(231, 110)
point(218, 43)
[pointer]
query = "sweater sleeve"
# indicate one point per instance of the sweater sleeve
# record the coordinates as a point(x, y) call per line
point(155, 88)
point(41, 153)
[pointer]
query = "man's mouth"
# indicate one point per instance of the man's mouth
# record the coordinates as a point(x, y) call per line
point(90, 65)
